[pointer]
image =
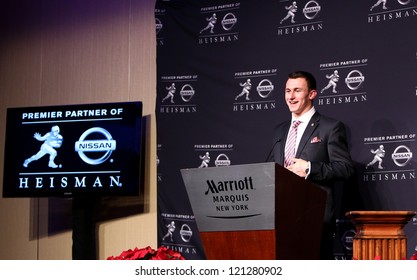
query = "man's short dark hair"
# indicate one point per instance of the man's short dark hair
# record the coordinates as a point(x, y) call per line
point(311, 81)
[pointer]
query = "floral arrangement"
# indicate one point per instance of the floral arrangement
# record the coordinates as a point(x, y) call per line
point(148, 253)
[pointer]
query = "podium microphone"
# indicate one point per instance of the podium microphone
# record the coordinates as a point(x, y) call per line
point(272, 149)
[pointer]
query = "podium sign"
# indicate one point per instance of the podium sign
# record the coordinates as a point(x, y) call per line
point(240, 197)
point(264, 208)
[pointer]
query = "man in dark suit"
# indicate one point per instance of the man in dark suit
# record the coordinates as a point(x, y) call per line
point(320, 153)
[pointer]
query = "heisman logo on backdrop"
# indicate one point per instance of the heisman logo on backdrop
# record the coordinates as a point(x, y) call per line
point(389, 158)
point(178, 232)
point(219, 24)
point(299, 19)
point(256, 97)
point(221, 160)
point(384, 10)
point(205, 152)
point(343, 82)
point(159, 15)
point(178, 94)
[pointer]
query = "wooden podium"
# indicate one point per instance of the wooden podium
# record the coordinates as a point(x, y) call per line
point(380, 234)
point(280, 215)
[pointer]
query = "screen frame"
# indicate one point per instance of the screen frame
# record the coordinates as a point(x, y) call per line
point(114, 131)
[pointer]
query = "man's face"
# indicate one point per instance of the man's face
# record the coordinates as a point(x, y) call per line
point(299, 99)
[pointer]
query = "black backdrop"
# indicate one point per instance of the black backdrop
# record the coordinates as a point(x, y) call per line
point(373, 52)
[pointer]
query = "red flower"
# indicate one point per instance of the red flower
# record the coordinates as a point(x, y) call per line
point(148, 253)
point(164, 253)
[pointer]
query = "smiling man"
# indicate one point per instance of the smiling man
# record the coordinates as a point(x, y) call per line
point(312, 146)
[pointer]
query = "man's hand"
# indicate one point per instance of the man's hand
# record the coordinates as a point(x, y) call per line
point(299, 167)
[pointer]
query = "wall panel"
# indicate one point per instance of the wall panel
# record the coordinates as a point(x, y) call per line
point(74, 52)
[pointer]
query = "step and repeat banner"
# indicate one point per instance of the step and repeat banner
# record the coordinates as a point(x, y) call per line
point(221, 73)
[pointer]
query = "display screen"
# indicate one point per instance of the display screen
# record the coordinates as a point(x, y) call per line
point(71, 150)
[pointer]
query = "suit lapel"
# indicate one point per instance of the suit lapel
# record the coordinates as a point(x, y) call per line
point(311, 127)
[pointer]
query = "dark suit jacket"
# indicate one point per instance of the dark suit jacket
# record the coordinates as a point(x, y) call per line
point(324, 144)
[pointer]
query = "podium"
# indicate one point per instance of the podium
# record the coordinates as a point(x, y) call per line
point(255, 211)
point(380, 234)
